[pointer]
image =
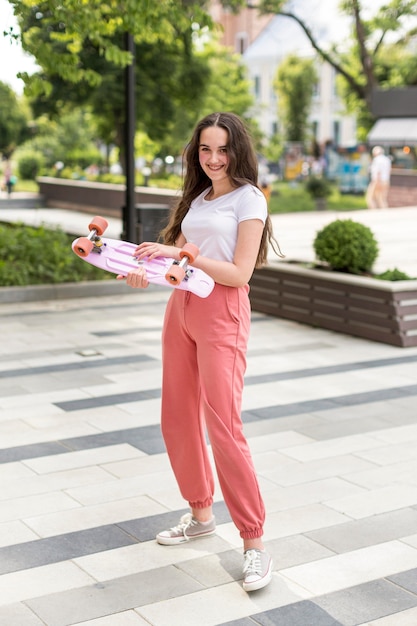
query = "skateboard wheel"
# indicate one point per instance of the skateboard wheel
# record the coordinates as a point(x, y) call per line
point(99, 224)
point(82, 246)
point(175, 275)
point(191, 251)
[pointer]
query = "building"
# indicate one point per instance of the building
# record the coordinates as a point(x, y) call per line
point(238, 30)
point(264, 42)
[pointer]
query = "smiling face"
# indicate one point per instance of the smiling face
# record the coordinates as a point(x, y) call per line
point(213, 155)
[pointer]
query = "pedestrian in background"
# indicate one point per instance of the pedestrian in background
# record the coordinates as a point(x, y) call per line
point(224, 213)
point(380, 174)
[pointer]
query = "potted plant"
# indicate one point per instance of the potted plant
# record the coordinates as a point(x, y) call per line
point(340, 292)
point(319, 189)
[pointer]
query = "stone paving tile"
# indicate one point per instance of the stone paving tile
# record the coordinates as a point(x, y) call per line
point(62, 548)
point(298, 614)
point(56, 481)
point(216, 604)
point(368, 532)
point(292, 472)
point(402, 618)
point(359, 566)
point(75, 605)
point(42, 581)
point(18, 615)
point(377, 501)
point(15, 533)
point(47, 524)
point(361, 603)
point(125, 618)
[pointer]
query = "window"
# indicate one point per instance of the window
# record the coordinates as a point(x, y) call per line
point(336, 132)
point(241, 42)
point(257, 86)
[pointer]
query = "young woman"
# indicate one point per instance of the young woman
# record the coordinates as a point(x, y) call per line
point(224, 213)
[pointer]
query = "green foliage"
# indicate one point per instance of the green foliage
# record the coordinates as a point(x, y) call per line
point(293, 198)
point(35, 256)
point(13, 121)
point(29, 164)
point(393, 275)
point(294, 84)
point(274, 149)
point(228, 87)
point(70, 140)
point(318, 187)
point(347, 246)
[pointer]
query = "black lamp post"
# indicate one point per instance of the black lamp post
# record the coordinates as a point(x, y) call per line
point(129, 216)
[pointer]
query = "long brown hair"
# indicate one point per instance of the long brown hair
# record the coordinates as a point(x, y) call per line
point(242, 170)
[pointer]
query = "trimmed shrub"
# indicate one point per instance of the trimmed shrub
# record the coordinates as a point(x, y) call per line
point(29, 164)
point(347, 246)
point(318, 187)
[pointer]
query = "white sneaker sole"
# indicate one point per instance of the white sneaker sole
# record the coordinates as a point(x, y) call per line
point(172, 541)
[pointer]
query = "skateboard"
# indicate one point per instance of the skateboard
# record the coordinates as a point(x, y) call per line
point(117, 257)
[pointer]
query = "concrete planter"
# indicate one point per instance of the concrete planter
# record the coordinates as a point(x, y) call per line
point(374, 309)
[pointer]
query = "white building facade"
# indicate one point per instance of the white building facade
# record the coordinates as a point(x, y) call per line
point(279, 38)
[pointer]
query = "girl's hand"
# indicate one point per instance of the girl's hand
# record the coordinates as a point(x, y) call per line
point(152, 250)
point(136, 278)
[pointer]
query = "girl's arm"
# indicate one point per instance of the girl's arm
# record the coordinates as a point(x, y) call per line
point(238, 272)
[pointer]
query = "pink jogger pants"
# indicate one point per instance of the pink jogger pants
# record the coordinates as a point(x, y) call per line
point(204, 361)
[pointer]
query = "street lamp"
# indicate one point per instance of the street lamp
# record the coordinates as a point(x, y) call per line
point(129, 215)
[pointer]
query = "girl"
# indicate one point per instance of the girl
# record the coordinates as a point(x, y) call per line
point(225, 214)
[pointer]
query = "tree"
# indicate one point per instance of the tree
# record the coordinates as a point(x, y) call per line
point(294, 83)
point(82, 60)
point(13, 121)
point(365, 66)
point(72, 27)
point(226, 87)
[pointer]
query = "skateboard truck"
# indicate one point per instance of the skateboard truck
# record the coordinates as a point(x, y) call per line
point(179, 270)
point(92, 243)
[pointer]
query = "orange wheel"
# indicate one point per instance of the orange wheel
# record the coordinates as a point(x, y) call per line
point(191, 251)
point(175, 275)
point(99, 224)
point(82, 246)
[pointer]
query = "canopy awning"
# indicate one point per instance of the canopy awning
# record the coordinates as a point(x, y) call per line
point(394, 131)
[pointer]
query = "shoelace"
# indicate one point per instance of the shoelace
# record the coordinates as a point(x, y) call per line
point(186, 522)
point(252, 564)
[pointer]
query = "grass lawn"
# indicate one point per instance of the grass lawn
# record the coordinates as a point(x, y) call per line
point(29, 186)
point(293, 198)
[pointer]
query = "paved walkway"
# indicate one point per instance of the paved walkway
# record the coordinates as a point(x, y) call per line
point(85, 483)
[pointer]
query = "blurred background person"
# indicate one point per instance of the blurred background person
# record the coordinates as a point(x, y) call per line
point(380, 173)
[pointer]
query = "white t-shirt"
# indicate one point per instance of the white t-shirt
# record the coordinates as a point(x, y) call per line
point(381, 168)
point(212, 225)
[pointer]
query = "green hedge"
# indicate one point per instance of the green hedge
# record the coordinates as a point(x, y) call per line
point(39, 256)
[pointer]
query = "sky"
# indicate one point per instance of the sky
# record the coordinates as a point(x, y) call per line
point(12, 57)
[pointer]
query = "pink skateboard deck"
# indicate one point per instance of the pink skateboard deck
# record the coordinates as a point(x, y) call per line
point(117, 257)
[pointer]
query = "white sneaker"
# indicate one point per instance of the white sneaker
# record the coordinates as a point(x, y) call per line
point(188, 528)
point(257, 569)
